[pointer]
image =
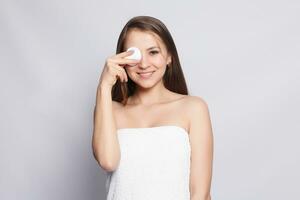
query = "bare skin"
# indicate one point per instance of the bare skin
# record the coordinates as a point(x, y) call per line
point(152, 105)
point(167, 112)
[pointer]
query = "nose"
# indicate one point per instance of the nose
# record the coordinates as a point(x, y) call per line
point(144, 62)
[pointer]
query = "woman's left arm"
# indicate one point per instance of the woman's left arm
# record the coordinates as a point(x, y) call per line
point(201, 139)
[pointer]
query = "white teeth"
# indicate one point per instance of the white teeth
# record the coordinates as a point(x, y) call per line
point(145, 75)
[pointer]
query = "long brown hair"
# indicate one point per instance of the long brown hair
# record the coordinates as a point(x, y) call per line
point(173, 78)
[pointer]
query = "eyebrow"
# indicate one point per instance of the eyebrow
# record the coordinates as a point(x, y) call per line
point(153, 47)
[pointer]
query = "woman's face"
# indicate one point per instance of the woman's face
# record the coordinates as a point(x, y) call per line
point(152, 66)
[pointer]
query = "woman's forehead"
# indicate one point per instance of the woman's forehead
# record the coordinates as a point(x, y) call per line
point(142, 39)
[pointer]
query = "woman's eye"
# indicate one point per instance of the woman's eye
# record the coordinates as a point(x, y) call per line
point(153, 52)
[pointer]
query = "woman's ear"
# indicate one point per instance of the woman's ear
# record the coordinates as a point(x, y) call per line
point(169, 60)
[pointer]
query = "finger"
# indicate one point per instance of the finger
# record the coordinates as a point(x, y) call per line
point(121, 72)
point(114, 70)
point(122, 61)
point(128, 65)
point(124, 54)
point(124, 74)
point(119, 75)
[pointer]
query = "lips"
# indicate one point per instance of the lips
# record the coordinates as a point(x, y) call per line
point(145, 74)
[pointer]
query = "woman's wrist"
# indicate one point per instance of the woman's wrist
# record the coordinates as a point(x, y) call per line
point(102, 87)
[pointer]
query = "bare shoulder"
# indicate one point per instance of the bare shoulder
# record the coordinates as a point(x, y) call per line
point(197, 112)
point(195, 104)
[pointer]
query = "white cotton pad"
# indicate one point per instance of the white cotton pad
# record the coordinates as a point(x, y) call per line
point(137, 55)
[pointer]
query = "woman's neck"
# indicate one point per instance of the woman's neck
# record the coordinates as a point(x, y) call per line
point(149, 96)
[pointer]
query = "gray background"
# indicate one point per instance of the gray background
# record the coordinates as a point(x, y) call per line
point(242, 57)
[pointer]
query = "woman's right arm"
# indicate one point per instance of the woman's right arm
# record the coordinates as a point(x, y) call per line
point(105, 142)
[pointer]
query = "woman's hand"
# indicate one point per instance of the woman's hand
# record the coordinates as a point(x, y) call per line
point(114, 68)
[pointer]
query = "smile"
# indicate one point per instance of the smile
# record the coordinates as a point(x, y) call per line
point(145, 74)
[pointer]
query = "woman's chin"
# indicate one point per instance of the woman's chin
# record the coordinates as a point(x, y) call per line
point(146, 84)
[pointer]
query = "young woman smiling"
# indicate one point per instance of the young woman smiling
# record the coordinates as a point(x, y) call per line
point(153, 139)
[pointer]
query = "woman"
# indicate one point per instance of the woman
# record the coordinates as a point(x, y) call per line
point(153, 139)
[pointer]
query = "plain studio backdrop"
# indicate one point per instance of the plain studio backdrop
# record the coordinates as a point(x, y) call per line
point(242, 57)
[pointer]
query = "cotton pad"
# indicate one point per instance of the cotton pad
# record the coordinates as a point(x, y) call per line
point(137, 55)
